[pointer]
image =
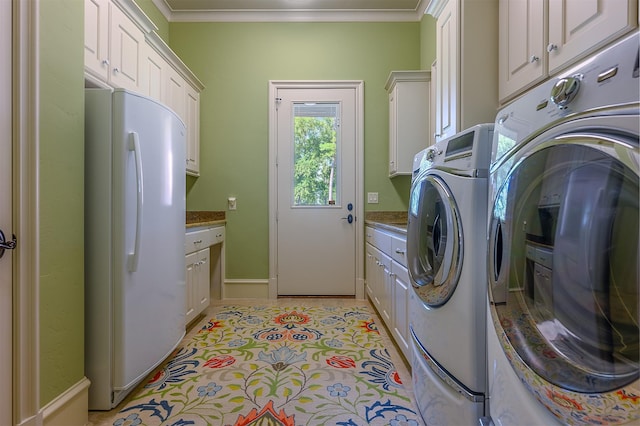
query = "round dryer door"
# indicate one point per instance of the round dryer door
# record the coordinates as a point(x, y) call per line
point(563, 267)
point(434, 240)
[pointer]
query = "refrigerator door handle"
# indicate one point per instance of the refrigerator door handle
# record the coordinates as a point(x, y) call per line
point(134, 145)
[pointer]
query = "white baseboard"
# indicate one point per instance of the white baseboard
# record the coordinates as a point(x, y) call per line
point(71, 408)
point(245, 289)
point(265, 289)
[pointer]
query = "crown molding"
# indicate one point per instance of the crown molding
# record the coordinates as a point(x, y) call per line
point(292, 15)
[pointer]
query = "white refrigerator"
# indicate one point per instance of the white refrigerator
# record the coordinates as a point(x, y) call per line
point(134, 240)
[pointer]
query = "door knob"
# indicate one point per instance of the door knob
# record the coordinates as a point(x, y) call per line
point(349, 218)
point(7, 245)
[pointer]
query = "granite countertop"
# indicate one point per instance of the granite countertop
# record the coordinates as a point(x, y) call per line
point(392, 220)
point(205, 218)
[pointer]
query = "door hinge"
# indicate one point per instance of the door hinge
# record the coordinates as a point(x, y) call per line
point(278, 102)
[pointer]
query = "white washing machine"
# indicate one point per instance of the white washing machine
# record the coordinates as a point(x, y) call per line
point(563, 226)
point(446, 253)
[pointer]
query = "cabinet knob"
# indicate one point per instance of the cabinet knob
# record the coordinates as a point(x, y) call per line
point(533, 59)
point(116, 70)
point(105, 62)
point(551, 47)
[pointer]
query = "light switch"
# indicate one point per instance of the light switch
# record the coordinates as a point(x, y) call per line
point(231, 201)
point(372, 197)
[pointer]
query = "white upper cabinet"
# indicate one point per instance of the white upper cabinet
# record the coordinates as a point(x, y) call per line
point(409, 101)
point(522, 59)
point(465, 83)
point(192, 120)
point(113, 45)
point(538, 39)
point(122, 49)
point(96, 37)
point(154, 73)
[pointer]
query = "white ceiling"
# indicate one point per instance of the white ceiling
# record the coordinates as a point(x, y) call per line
point(292, 10)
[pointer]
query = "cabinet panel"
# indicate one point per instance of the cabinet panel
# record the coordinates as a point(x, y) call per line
point(522, 59)
point(409, 102)
point(577, 28)
point(399, 250)
point(401, 288)
point(96, 37)
point(192, 121)
point(388, 285)
point(154, 67)
point(447, 35)
point(175, 95)
point(191, 261)
point(538, 42)
point(125, 51)
point(203, 281)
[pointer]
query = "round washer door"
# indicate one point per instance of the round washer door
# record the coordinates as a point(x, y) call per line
point(434, 240)
point(563, 271)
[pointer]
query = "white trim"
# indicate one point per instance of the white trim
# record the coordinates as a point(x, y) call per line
point(294, 16)
point(291, 15)
point(435, 8)
point(70, 407)
point(358, 86)
point(246, 289)
point(26, 213)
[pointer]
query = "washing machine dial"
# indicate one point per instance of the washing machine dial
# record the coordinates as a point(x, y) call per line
point(432, 153)
point(565, 89)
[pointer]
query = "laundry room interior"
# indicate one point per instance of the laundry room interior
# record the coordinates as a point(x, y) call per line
point(420, 212)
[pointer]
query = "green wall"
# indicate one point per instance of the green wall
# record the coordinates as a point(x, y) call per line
point(427, 42)
point(235, 61)
point(61, 196)
point(157, 17)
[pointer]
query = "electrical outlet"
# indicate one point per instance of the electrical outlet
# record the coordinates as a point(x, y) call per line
point(372, 197)
point(231, 202)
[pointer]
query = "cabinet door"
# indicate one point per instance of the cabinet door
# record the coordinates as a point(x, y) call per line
point(96, 37)
point(192, 122)
point(577, 28)
point(125, 51)
point(447, 38)
point(393, 132)
point(522, 55)
point(175, 92)
point(153, 78)
point(386, 288)
point(401, 288)
point(410, 124)
point(202, 293)
point(373, 275)
point(191, 261)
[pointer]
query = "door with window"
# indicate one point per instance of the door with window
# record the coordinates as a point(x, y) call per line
point(316, 133)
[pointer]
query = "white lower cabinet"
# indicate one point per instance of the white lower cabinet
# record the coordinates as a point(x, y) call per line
point(198, 269)
point(388, 282)
point(401, 289)
point(198, 266)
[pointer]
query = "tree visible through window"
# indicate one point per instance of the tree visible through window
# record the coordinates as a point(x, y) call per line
point(315, 154)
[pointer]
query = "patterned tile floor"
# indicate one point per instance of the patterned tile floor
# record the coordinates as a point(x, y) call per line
point(106, 418)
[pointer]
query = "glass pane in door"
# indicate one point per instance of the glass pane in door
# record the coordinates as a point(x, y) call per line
point(315, 154)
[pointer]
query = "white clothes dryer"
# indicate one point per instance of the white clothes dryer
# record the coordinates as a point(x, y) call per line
point(563, 226)
point(446, 253)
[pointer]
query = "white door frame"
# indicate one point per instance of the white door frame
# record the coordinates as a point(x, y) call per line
point(274, 86)
point(26, 257)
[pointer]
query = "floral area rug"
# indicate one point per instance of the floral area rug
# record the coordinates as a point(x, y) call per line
point(277, 366)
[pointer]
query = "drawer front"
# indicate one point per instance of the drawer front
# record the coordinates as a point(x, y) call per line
point(202, 238)
point(197, 240)
point(399, 250)
point(369, 233)
point(218, 235)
